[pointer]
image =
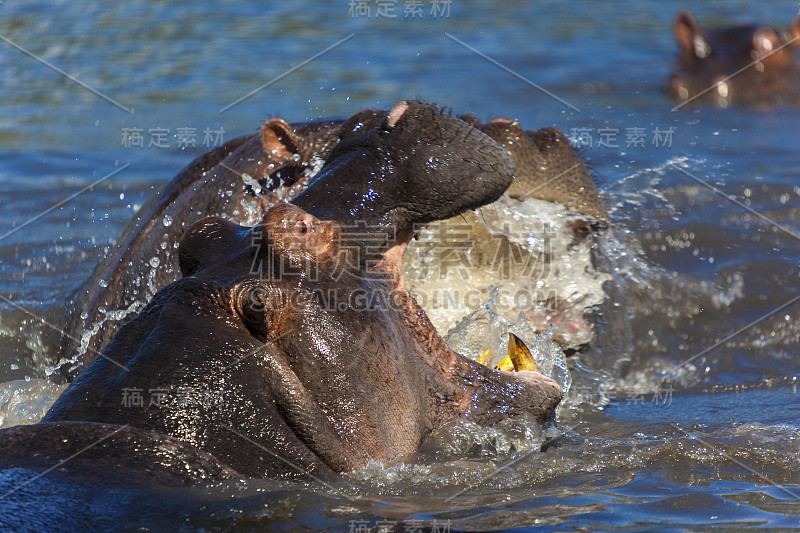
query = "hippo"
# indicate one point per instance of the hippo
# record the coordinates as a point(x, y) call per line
point(746, 65)
point(235, 180)
point(243, 178)
point(543, 271)
point(291, 349)
point(547, 167)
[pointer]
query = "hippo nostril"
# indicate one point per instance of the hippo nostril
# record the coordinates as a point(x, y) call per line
point(255, 306)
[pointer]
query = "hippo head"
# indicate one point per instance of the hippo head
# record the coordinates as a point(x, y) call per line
point(320, 361)
point(746, 64)
point(352, 364)
point(410, 165)
point(546, 167)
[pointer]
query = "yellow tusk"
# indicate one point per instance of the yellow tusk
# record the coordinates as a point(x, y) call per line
point(482, 358)
point(519, 356)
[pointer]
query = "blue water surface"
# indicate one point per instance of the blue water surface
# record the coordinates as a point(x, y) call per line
point(102, 103)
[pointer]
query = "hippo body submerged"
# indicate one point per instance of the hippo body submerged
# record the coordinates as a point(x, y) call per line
point(291, 348)
point(747, 64)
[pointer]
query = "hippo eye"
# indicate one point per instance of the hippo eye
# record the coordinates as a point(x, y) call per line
point(301, 228)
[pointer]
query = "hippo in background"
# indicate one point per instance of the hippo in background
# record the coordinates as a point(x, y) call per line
point(746, 65)
point(317, 357)
point(243, 178)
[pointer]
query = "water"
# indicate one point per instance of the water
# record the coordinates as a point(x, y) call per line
point(682, 414)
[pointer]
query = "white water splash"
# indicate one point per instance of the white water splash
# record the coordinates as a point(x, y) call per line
point(526, 249)
point(26, 401)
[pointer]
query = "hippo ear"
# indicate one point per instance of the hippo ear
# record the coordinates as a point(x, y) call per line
point(279, 141)
point(689, 34)
point(794, 29)
point(472, 120)
point(767, 47)
point(210, 241)
point(774, 50)
point(394, 115)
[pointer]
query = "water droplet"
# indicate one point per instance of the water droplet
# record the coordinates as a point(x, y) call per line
point(154, 262)
point(103, 283)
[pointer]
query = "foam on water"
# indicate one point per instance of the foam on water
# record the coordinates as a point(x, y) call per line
point(26, 401)
point(526, 250)
point(515, 267)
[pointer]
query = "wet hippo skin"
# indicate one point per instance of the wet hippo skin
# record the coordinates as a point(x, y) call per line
point(126, 278)
point(547, 167)
point(314, 360)
point(281, 161)
point(747, 64)
point(110, 455)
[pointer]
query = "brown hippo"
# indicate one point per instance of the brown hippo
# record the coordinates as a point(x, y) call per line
point(241, 179)
point(546, 166)
point(292, 349)
point(746, 65)
point(234, 180)
point(541, 267)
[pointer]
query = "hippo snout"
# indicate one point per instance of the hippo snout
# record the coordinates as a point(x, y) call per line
point(544, 391)
point(427, 164)
point(505, 393)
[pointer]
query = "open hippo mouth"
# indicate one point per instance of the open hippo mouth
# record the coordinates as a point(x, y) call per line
point(319, 357)
point(378, 174)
